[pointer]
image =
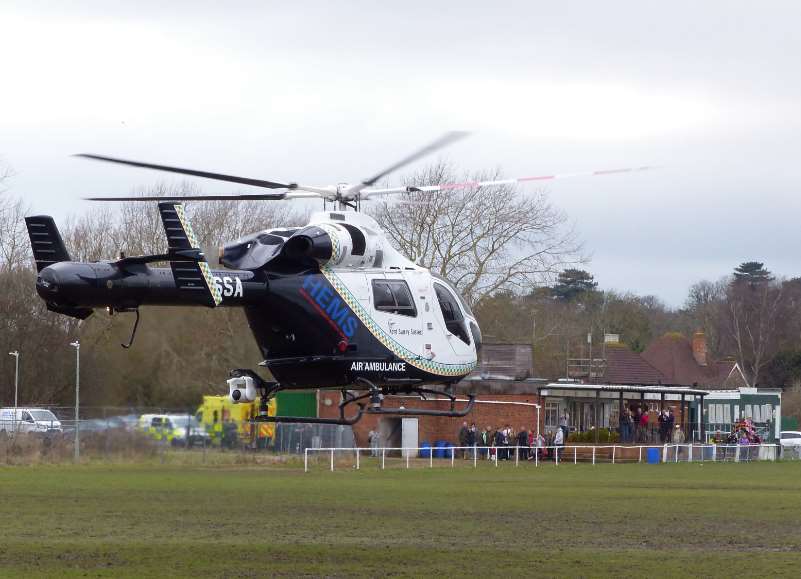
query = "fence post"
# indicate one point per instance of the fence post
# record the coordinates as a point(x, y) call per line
point(357, 458)
point(496, 456)
point(640, 459)
point(453, 453)
point(593, 455)
point(517, 455)
point(737, 453)
point(383, 451)
point(407, 458)
point(690, 453)
point(475, 457)
point(305, 459)
point(557, 454)
point(332, 460)
point(575, 455)
point(664, 453)
point(431, 458)
point(614, 448)
point(714, 453)
point(537, 455)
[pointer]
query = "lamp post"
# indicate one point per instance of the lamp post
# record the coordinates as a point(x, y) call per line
point(77, 345)
point(15, 353)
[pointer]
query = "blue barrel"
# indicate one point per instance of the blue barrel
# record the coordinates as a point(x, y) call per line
point(440, 448)
point(653, 456)
point(425, 450)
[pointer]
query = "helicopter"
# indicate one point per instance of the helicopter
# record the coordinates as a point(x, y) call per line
point(331, 304)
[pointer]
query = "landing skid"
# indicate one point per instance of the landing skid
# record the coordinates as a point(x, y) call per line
point(369, 402)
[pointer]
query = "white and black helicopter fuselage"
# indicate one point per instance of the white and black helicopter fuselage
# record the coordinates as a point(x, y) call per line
point(341, 298)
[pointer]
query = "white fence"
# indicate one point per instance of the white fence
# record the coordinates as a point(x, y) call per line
point(475, 455)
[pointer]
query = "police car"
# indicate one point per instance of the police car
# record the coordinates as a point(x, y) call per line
point(176, 429)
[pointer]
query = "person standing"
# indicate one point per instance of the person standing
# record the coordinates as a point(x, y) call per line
point(678, 435)
point(522, 443)
point(484, 441)
point(564, 424)
point(373, 441)
point(644, 424)
point(625, 425)
point(463, 438)
point(498, 443)
point(471, 441)
point(558, 441)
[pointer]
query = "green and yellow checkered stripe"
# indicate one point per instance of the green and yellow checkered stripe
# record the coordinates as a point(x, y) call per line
point(205, 270)
point(396, 348)
point(336, 247)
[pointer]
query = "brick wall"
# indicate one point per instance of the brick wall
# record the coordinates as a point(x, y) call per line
point(495, 410)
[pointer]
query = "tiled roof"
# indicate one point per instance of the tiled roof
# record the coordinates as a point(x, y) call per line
point(672, 354)
point(626, 367)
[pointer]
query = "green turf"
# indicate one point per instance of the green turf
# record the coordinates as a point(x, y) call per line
point(584, 520)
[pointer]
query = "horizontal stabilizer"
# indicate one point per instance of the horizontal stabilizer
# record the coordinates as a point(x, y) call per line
point(190, 269)
point(48, 247)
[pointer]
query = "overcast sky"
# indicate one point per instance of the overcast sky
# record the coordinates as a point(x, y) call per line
point(323, 92)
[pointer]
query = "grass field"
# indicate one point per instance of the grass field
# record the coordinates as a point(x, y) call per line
point(606, 520)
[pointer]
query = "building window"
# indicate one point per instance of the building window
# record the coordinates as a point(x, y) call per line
point(551, 415)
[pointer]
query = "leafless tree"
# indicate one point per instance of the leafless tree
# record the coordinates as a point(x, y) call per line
point(705, 310)
point(481, 239)
point(753, 311)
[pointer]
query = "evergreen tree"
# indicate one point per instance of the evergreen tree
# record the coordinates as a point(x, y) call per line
point(571, 283)
point(752, 272)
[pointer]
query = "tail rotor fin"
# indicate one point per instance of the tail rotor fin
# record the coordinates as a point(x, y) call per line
point(48, 247)
point(190, 269)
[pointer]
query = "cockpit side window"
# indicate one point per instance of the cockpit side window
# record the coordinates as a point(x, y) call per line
point(452, 289)
point(391, 295)
point(454, 320)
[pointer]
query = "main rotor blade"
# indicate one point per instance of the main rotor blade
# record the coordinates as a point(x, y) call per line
point(254, 197)
point(367, 193)
point(194, 173)
point(443, 141)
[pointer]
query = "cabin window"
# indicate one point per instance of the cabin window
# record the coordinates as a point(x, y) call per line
point(454, 320)
point(393, 295)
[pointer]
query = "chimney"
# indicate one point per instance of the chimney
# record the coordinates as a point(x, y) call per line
point(699, 348)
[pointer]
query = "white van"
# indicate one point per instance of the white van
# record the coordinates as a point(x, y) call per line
point(28, 421)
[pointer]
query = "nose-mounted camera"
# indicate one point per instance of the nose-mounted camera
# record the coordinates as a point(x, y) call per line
point(242, 389)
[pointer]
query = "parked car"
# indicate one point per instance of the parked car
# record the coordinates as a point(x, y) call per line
point(790, 441)
point(28, 421)
point(177, 429)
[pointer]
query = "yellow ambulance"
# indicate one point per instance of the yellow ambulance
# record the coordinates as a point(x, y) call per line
point(229, 425)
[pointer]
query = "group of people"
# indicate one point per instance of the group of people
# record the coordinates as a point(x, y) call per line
point(742, 433)
point(490, 441)
point(636, 425)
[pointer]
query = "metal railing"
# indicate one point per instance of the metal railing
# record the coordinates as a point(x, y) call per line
point(612, 453)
